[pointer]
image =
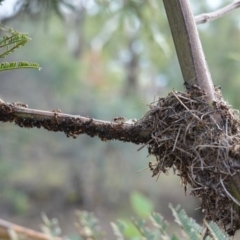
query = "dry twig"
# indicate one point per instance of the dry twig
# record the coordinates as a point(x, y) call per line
point(207, 17)
point(7, 229)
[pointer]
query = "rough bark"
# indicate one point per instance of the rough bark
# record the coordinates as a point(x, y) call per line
point(74, 125)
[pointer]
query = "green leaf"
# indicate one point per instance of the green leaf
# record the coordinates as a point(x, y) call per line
point(174, 237)
point(141, 225)
point(189, 225)
point(216, 232)
point(90, 223)
point(11, 41)
point(130, 231)
point(118, 229)
point(142, 206)
point(159, 223)
point(18, 65)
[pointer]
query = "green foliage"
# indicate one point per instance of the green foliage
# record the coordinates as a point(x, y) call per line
point(144, 230)
point(50, 226)
point(17, 65)
point(142, 206)
point(126, 229)
point(190, 227)
point(11, 41)
point(216, 232)
point(88, 226)
point(152, 229)
point(118, 229)
point(159, 223)
point(18, 200)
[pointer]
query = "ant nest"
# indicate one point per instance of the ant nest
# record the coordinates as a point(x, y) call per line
point(202, 145)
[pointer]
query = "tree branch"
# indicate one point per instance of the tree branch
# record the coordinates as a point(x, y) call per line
point(207, 17)
point(7, 229)
point(188, 46)
point(193, 64)
point(74, 125)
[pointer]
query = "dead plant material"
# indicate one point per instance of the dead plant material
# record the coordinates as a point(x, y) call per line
point(205, 153)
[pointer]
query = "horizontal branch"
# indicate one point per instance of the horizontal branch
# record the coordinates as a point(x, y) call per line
point(207, 17)
point(74, 125)
point(8, 230)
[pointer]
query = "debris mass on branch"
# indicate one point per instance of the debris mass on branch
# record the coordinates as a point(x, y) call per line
point(206, 155)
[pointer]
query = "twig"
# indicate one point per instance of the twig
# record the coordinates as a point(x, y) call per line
point(185, 106)
point(6, 228)
point(73, 125)
point(228, 193)
point(176, 139)
point(207, 17)
point(211, 146)
point(144, 145)
point(180, 149)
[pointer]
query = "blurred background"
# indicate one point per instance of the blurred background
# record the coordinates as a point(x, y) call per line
point(101, 59)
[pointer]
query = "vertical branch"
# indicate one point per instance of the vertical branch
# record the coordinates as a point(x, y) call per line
point(188, 46)
point(194, 67)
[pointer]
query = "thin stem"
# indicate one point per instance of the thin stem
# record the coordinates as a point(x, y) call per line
point(207, 17)
point(7, 229)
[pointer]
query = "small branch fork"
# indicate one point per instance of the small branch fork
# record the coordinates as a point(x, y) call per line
point(207, 17)
point(73, 125)
point(9, 230)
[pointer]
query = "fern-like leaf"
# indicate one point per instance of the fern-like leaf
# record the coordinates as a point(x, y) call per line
point(189, 225)
point(118, 230)
point(216, 232)
point(88, 226)
point(141, 225)
point(18, 65)
point(159, 222)
point(11, 41)
point(50, 227)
